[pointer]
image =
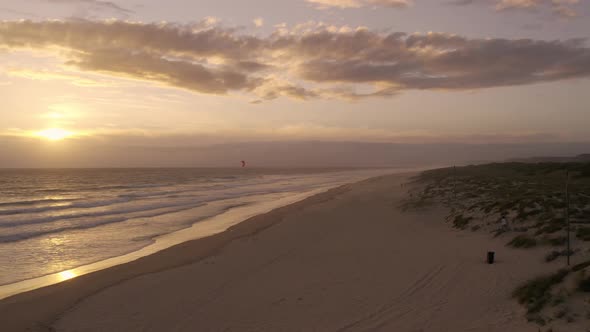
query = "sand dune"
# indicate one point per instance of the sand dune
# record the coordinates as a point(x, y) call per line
point(347, 260)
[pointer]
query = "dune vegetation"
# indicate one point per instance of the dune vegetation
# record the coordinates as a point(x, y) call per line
point(531, 197)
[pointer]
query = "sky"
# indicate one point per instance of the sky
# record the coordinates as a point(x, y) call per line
point(89, 75)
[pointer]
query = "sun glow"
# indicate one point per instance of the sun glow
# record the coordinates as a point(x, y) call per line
point(54, 134)
point(67, 275)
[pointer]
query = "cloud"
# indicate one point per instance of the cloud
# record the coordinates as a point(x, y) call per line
point(292, 132)
point(258, 22)
point(17, 12)
point(304, 62)
point(324, 4)
point(517, 4)
point(561, 8)
point(97, 4)
point(46, 75)
point(187, 75)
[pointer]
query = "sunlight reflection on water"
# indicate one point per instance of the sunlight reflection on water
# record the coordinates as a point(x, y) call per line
point(67, 275)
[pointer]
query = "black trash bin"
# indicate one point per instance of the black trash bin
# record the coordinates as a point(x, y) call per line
point(490, 257)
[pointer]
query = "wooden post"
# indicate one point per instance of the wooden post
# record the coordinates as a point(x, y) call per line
point(567, 214)
point(455, 183)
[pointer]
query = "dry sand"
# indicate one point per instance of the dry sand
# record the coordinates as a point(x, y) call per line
point(345, 260)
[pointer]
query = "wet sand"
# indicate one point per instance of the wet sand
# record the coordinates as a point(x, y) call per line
point(344, 260)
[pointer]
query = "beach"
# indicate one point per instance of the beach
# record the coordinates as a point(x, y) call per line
point(344, 260)
point(57, 223)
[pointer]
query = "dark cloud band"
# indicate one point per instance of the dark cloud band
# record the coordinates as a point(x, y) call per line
point(95, 3)
point(320, 62)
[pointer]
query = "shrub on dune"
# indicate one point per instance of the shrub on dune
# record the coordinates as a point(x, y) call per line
point(523, 241)
point(535, 293)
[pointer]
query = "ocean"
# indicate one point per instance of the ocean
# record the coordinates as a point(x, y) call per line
point(57, 220)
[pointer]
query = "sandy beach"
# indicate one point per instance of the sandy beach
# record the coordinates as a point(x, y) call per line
point(344, 260)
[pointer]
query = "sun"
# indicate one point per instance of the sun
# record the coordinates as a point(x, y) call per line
point(54, 134)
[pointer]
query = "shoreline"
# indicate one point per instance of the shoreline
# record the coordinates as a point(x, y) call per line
point(347, 277)
point(200, 229)
point(67, 293)
point(210, 216)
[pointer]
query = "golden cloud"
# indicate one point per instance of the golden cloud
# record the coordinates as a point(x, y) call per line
point(562, 8)
point(322, 4)
point(306, 62)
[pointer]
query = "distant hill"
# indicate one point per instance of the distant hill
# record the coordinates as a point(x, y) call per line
point(582, 158)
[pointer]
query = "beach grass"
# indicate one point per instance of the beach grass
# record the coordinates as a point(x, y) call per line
point(532, 198)
point(523, 241)
point(536, 293)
